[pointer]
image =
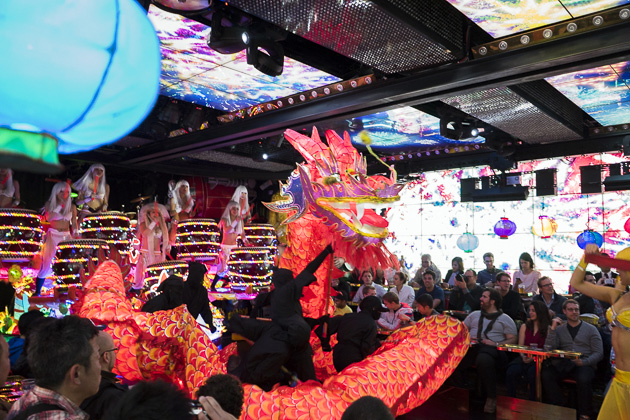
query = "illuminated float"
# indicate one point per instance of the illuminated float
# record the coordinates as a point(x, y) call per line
point(250, 269)
point(155, 273)
point(261, 235)
point(20, 235)
point(113, 227)
point(198, 240)
point(72, 256)
point(404, 372)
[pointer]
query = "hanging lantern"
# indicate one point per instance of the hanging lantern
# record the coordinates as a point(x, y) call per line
point(545, 227)
point(467, 242)
point(589, 237)
point(505, 228)
point(76, 75)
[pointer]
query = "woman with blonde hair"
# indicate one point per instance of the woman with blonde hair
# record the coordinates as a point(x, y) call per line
point(93, 191)
point(153, 234)
point(182, 205)
point(62, 216)
point(616, 404)
point(9, 189)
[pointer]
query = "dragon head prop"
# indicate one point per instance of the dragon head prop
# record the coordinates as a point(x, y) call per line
point(334, 186)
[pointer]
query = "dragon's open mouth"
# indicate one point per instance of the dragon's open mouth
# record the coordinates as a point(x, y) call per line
point(358, 214)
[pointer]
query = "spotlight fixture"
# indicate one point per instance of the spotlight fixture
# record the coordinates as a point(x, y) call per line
point(264, 51)
point(458, 129)
point(228, 31)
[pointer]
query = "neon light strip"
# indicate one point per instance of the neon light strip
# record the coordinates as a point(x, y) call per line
point(198, 243)
point(100, 229)
point(250, 262)
point(88, 219)
point(247, 276)
point(35, 229)
point(17, 253)
point(20, 214)
point(22, 242)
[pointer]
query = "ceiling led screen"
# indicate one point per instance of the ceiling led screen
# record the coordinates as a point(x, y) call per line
point(602, 92)
point(399, 128)
point(192, 72)
point(506, 17)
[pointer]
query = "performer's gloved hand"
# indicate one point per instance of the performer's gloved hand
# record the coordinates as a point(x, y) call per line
point(329, 249)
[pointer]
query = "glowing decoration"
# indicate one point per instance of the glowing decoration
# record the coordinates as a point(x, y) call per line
point(15, 273)
point(467, 242)
point(545, 227)
point(198, 240)
point(20, 235)
point(504, 228)
point(262, 235)
point(626, 226)
point(7, 322)
point(112, 227)
point(154, 274)
point(589, 237)
point(250, 269)
point(101, 59)
point(73, 255)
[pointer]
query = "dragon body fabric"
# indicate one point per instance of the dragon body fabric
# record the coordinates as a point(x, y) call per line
point(331, 199)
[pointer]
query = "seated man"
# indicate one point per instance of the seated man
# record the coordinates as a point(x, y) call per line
point(64, 357)
point(367, 291)
point(398, 314)
point(341, 304)
point(428, 279)
point(512, 304)
point(425, 306)
point(227, 390)
point(489, 327)
point(466, 295)
point(109, 391)
point(488, 275)
point(578, 336)
point(550, 298)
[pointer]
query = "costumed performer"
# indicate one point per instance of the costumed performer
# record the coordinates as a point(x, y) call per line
point(196, 294)
point(153, 234)
point(182, 205)
point(9, 189)
point(285, 341)
point(93, 191)
point(232, 224)
point(62, 216)
point(617, 401)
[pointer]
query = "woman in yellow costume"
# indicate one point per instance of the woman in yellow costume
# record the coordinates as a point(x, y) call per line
point(617, 402)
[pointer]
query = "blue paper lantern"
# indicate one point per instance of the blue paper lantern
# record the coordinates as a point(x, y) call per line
point(76, 75)
point(467, 242)
point(505, 228)
point(589, 237)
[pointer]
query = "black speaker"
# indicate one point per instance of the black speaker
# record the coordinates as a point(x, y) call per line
point(591, 177)
point(467, 186)
point(546, 182)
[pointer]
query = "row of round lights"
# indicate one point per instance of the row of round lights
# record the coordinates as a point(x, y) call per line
point(431, 152)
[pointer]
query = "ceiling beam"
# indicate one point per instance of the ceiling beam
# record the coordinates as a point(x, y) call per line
point(604, 46)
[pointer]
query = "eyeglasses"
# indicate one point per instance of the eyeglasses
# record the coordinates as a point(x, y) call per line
point(106, 351)
point(546, 285)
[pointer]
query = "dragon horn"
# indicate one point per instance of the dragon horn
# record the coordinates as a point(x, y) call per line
point(311, 148)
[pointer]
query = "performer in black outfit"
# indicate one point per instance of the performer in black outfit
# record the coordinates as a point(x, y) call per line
point(356, 333)
point(196, 294)
point(284, 341)
point(170, 297)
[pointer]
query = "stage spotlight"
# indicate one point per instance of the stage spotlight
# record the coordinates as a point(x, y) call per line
point(265, 156)
point(266, 55)
point(228, 31)
point(458, 129)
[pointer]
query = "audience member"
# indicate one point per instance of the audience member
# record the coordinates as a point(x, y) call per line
point(195, 294)
point(64, 356)
point(152, 401)
point(367, 291)
point(341, 304)
point(367, 280)
point(425, 305)
point(17, 344)
point(429, 287)
point(21, 366)
point(398, 314)
point(212, 410)
point(367, 408)
point(5, 366)
point(341, 283)
point(171, 295)
point(405, 292)
point(457, 267)
point(512, 304)
point(526, 279)
point(466, 295)
point(488, 274)
point(489, 327)
point(427, 265)
point(110, 392)
point(606, 276)
point(578, 336)
point(550, 298)
point(227, 390)
point(532, 334)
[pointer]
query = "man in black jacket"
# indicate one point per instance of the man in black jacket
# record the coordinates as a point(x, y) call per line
point(512, 304)
point(109, 390)
point(466, 295)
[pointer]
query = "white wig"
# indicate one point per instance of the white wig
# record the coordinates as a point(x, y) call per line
point(147, 207)
point(181, 204)
point(83, 184)
point(53, 204)
point(237, 197)
point(8, 188)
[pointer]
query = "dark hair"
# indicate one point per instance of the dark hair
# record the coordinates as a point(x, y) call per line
point(460, 263)
point(152, 401)
point(401, 276)
point(526, 257)
point(429, 272)
point(367, 408)
point(542, 316)
point(425, 300)
point(368, 287)
point(541, 279)
point(366, 271)
point(56, 346)
point(500, 274)
point(568, 302)
point(227, 390)
point(471, 270)
point(391, 297)
point(26, 321)
point(488, 254)
point(495, 295)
